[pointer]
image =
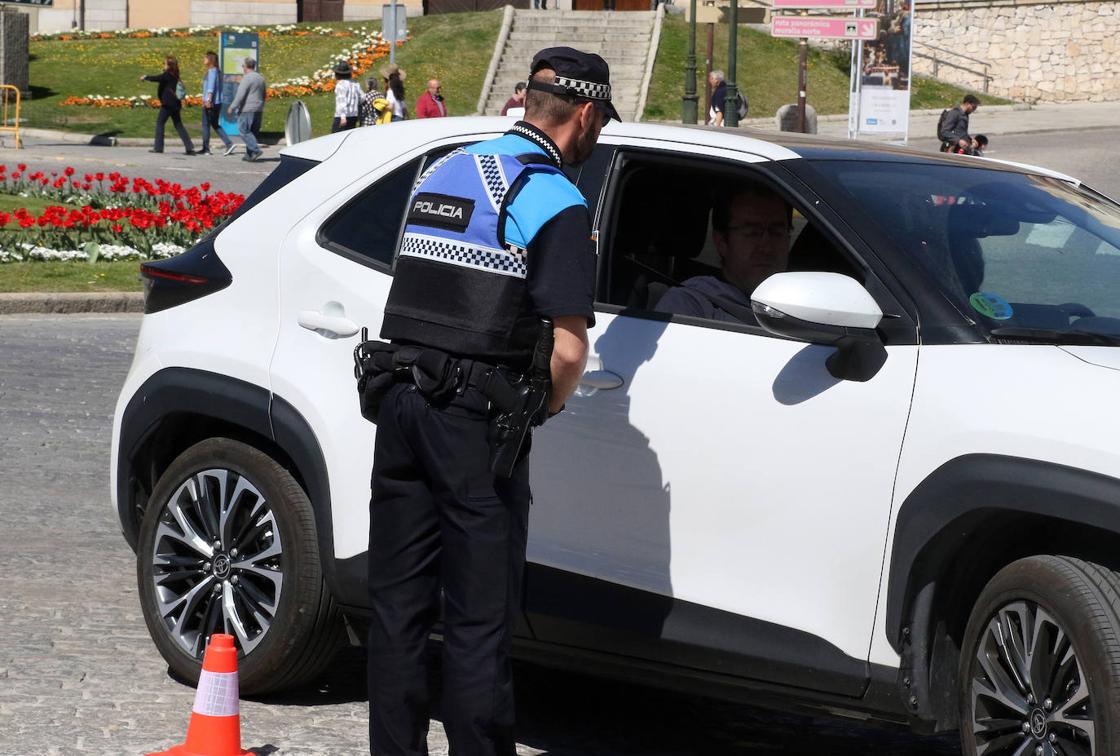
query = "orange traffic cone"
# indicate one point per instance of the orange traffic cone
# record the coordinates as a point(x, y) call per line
point(215, 728)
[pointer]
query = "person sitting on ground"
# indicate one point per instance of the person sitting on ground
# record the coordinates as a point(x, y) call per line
point(515, 106)
point(750, 229)
point(952, 129)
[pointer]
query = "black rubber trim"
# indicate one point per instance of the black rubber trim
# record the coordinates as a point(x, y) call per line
point(978, 484)
point(584, 612)
point(199, 393)
point(181, 391)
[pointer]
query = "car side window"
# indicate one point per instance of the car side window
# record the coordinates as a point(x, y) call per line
point(693, 239)
point(367, 227)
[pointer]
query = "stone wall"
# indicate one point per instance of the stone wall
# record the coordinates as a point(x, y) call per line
point(1064, 51)
point(223, 13)
point(105, 15)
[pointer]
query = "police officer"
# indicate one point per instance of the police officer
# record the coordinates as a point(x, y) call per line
point(496, 237)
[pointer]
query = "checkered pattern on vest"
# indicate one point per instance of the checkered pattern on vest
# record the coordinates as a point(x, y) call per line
point(505, 262)
point(493, 178)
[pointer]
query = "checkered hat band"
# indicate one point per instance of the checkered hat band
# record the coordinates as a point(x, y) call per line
point(504, 262)
point(589, 89)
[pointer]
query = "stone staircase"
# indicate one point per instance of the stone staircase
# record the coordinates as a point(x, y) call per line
point(623, 38)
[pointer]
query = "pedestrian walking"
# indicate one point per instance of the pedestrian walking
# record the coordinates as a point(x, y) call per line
point(952, 126)
point(394, 77)
point(212, 105)
point(248, 107)
point(445, 523)
point(430, 104)
point(170, 93)
point(375, 108)
point(347, 98)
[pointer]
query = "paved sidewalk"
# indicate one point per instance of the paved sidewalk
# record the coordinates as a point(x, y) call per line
point(992, 120)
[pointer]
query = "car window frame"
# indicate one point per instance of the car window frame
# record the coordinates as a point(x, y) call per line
point(424, 154)
point(898, 326)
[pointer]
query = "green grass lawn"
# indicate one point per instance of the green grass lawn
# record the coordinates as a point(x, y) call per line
point(455, 48)
point(767, 70)
point(120, 275)
point(35, 205)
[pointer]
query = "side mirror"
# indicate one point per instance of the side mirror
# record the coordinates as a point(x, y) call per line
point(825, 308)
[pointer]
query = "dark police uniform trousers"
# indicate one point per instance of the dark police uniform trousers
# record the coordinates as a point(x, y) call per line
point(468, 526)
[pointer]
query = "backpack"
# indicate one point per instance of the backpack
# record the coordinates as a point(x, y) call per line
point(941, 123)
point(180, 90)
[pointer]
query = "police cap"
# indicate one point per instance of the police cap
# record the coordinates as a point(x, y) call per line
point(582, 75)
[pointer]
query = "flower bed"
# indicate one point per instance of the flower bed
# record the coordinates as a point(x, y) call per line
point(361, 55)
point(106, 216)
point(277, 30)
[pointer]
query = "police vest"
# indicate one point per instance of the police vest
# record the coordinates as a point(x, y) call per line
point(458, 286)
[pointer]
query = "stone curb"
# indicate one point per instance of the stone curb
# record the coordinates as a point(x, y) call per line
point(101, 140)
point(72, 303)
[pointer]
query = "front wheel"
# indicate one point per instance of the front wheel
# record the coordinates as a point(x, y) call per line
point(228, 545)
point(1040, 662)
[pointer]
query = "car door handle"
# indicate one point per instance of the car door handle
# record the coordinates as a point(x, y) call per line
point(332, 326)
point(600, 379)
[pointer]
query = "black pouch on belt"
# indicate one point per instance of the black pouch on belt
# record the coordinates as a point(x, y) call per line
point(374, 370)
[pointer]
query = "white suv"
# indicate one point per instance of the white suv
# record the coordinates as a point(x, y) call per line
point(895, 494)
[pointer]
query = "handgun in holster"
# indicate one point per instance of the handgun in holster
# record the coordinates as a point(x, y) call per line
point(510, 426)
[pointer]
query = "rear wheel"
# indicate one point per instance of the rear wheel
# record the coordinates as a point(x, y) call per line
point(228, 545)
point(1040, 662)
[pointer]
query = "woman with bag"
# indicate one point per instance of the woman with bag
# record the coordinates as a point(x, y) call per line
point(212, 105)
point(170, 93)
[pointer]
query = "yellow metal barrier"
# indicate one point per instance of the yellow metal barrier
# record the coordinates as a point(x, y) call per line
point(8, 90)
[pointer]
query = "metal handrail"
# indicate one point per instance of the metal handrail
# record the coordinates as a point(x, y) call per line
point(985, 75)
point(4, 115)
point(951, 52)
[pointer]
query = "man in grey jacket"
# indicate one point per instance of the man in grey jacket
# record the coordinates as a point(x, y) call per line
point(750, 229)
point(248, 105)
point(952, 130)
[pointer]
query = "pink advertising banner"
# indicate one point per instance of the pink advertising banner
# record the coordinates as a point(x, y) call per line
point(825, 28)
point(838, 4)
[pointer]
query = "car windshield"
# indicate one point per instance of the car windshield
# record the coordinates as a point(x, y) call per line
point(1026, 256)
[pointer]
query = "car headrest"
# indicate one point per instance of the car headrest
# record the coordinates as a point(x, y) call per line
point(657, 219)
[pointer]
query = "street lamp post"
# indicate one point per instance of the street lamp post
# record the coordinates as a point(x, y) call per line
point(688, 102)
point(731, 106)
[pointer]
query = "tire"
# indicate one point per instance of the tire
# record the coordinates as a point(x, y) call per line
point(274, 602)
point(1040, 661)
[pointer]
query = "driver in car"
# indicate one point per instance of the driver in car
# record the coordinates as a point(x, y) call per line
point(751, 230)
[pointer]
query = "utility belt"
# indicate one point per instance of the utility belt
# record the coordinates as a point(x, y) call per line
point(438, 376)
point(519, 402)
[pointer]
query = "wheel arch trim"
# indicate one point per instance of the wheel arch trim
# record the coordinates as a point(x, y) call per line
point(231, 401)
point(978, 484)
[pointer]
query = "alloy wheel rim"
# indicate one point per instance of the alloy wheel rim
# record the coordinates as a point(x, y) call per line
point(217, 561)
point(1029, 695)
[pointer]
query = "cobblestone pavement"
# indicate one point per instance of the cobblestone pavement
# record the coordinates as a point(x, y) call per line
point(78, 673)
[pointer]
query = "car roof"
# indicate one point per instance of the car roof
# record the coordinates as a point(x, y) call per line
point(770, 145)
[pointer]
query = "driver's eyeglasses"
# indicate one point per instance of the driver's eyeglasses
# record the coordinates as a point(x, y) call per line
point(760, 231)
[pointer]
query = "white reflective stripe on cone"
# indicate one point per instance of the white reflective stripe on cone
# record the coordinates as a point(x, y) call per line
point(216, 695)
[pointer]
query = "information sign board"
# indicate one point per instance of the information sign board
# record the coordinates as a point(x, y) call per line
point(234, 48)
point(824, 27)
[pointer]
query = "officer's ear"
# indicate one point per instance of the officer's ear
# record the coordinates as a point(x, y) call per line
point(587, 115)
